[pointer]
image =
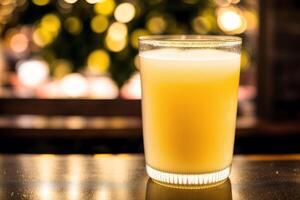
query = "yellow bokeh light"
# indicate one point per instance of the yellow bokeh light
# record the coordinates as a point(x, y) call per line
point(117, 31)
point(156, 25)
point(40, 2)
point(115, 45)
point(51, 23)
point(61, 68)
point(73, 25)
point(201, 25)
point(42, 37)
point(124, 12)
point(105, 7)
point(134, 39)
point(99, 24)
point(231, 20)
point(116, 38)
point(71, 1)
point(19, 42)
point(98, 61)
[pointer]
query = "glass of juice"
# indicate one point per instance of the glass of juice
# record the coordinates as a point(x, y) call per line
point(189, 104)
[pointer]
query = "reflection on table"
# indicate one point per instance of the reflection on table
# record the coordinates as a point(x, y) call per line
point(218, 192)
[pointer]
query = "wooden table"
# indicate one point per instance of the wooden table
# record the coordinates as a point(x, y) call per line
point(123, 177)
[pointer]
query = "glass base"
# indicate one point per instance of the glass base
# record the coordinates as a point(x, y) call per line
point(188, 179)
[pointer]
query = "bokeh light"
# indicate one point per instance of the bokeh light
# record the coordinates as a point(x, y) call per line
point(105, 7)
point(42, 37)
point(73, 25)
point(99, 23)
point(40, 2)
point(103, 88)
point(252, 19)
point(19, 42)
point(134, 38)
point(117, 31)
point(46, 30)
point(61, 68)
point(74, 85)
point(51, 23)
point(32, 73)
point(98, 62)
point(132, 89)
point(124, 12)
point(231, 20)
point(115, 45)
point(92, 1)
point(71, 1)
point(201, 25)
point(116, 38)
point(156, 25)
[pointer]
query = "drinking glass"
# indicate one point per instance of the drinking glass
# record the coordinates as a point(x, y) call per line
point(189, 104)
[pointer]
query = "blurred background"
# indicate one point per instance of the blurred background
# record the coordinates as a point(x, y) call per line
point(69, 73)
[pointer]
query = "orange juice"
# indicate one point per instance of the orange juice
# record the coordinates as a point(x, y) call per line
point(189, 100)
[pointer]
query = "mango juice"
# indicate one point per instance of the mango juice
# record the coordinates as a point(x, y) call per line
point(189, 103)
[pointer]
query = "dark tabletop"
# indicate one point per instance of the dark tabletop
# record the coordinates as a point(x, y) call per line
point(122, 177)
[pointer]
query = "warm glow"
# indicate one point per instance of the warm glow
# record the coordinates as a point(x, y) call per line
point(98, 61)
point(252, 20)
point(41, 37)
point(47, 30)
point(51, 23)
point(71, 1)
point(74, 85)
point(115, 45)
point(116, 38)
point(92, 1)
point(19, 42)
point(73, 25)
point(134, 39)
point(156, 25)
point(32, 73)
point(61, 68)
point(231, 20)
point(201, 25)
point(99, 24)
point(117, 31)
point(75, 122)
point(103, 193)
point(40, 2)
point(105, 7)
point(124, 12)
point(132, 89)
point(103, 88)
point(235, 1)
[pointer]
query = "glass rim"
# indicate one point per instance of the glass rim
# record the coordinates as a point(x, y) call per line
point(186, 41)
